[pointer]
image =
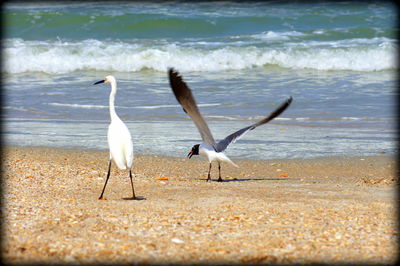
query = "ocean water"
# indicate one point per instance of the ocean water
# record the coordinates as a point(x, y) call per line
point(337, 61)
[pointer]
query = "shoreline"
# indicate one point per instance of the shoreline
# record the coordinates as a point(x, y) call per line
point(360, 162)
point(379, 154)
point(150, 138)
point(324, 210)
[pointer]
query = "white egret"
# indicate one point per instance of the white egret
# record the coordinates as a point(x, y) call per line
point(214, 151)
point(119, 138)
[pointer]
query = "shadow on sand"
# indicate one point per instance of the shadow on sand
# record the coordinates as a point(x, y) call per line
point(246, 179)
point(136, 198)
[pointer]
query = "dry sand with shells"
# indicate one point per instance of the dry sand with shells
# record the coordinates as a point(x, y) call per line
point(330, 210)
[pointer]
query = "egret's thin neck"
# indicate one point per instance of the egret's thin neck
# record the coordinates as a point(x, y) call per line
point(113, 114)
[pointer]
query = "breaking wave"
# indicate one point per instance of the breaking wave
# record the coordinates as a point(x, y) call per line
point(58, 57)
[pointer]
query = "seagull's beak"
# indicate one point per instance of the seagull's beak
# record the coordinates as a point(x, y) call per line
point(190, 154)
point(98, 82)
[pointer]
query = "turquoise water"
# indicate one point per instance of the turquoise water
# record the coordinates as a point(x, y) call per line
point(199, 37)
point(337, 60)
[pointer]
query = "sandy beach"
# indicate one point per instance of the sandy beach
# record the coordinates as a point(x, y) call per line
point(328, 210)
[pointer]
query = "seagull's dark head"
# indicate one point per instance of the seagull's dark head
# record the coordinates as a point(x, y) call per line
point(194, 151)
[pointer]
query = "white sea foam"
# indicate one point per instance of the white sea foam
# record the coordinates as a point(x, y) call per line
point(91, 106)
point(299, 119)
point(222, 117)
point(273, 35)
point(92, 55)
point(156, 106)
point(173, 106)
point(83, 106)
point(345, 118)
point(15, 108)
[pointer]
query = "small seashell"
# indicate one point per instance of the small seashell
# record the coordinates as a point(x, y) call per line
point(177, 241)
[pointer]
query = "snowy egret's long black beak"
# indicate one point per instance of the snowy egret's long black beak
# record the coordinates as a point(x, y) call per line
point(98, 82)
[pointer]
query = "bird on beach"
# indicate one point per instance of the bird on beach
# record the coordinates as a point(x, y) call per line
point(119, 139)
point(214, 151)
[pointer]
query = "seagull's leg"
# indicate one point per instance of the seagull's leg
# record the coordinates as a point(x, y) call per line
point(105, 184)
point(133, 191)
point(209, 176)
point(219, 171)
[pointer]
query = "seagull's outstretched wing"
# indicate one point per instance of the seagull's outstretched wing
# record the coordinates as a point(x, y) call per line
point(184, 96)
point(223, 144)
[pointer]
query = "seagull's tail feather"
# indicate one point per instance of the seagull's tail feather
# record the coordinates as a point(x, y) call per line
point(226, 159)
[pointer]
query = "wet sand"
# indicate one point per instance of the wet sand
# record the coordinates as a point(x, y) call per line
point(328, 210)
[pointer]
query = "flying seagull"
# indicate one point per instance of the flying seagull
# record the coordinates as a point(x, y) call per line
point(214, 151)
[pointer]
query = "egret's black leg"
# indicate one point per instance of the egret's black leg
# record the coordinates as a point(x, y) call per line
point(209, 175)
point(219, 171)
point(133, 191)
point(105, 184)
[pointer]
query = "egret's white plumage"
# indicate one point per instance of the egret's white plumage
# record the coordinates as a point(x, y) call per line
point(119, 138)
point(120, 144)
